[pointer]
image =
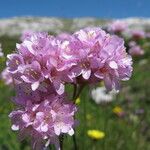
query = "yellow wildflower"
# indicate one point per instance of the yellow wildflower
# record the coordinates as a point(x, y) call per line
point(117, 110)
point(77, 101)
point(96, 134)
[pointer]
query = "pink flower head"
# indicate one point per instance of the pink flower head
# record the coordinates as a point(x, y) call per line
point(85, 51)
point(132, 43)
point(138, 34)
point(115, 64)
point(101, 55)
point(40, 57)
point(30, 64)
point(117, 26)
point(46, 120)
point(147, 35)
point(136, 51)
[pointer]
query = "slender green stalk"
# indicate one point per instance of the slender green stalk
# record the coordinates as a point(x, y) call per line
point(79, 91)
point(74, 142)
point(85, 121)
point(74, 98)
point(74, 92)
point(61, 139)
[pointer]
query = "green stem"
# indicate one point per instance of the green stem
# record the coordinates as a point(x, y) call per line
point(74, 92)
point(77, 91)
point(85, 121)
point(61, 139)
point(74, 99)
point(74, 142)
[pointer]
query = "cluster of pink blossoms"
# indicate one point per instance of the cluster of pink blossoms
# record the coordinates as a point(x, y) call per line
point(133, 36)
point(117, 26)
point(43, 115)
point(44, 64)
point(43, 121)
point(134, 49)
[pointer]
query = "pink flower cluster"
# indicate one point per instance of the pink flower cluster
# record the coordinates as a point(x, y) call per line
point(138, 34)
point(44, 64)
point(117, 26)
point(88, 55)
point(45, 120)
point(43, 115)
point(135, 50)
point(123, 29)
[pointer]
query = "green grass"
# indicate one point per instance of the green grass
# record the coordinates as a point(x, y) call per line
point(131, 132)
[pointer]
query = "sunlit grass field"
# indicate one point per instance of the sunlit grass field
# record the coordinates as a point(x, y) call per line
point(129, 132)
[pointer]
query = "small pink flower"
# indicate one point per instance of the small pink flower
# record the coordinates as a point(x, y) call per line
point(137, 34)
point(136, 51)
point(117, 26)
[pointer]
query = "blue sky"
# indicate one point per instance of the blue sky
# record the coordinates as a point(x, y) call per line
point(75, 8)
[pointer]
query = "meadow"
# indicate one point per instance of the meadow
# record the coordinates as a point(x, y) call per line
point(128, 132)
